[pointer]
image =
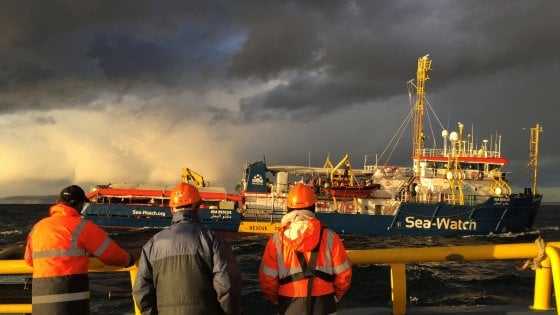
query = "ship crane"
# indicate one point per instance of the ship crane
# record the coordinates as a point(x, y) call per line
point(191, 177)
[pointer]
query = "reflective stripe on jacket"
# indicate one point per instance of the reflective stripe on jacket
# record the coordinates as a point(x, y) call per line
point(57, 249)
point(280, 261)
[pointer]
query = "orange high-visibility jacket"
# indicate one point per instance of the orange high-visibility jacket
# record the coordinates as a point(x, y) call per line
point(280, 262)
point(57, 248)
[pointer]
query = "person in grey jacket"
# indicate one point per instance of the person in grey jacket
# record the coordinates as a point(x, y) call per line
point(187, 269)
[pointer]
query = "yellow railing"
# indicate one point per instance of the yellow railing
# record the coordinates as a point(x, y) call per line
point(13, 267)
point(547, 274)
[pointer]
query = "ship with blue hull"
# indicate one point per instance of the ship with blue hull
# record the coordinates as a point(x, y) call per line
point(497, 215)
point(416, 219)
point(456, 188)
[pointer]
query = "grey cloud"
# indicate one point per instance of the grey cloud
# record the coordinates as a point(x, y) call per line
point(371, 51)
point(365, 49)
point(23, 73)
point(287, 40)
point(125, 57)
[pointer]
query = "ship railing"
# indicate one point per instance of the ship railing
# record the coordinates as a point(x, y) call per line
point(262, 216)
point(469, 174)
point(434, 198)
point(545, 257)
point(19, 267)
point(463, 153)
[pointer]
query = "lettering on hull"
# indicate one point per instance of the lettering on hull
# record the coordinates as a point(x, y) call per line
point(149, 213)
point(220, 214)
point(258, 227)
point(440, 224)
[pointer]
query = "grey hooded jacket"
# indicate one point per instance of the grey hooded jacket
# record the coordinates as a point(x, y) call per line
point(186, 269)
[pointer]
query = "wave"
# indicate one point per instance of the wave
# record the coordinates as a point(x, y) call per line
point(11, 232)
point(509, 235)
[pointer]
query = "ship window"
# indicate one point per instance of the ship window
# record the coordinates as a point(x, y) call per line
point(469, 166)
point(492, 167)
point(117, 200)
point(141, 201)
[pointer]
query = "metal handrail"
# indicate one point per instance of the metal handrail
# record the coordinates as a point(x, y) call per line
point(463, 153)
point(547, 274)
point(14, 267)
point(397, 258)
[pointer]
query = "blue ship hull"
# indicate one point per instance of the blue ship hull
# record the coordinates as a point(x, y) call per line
point(497, 215)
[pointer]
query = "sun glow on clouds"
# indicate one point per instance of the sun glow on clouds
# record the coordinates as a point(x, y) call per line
point(109, 146)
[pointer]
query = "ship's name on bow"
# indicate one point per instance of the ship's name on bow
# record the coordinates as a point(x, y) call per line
point(149, 213)
point(440, 224)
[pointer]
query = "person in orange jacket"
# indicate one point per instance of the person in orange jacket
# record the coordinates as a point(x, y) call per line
point(304, 267)
point(57, 249)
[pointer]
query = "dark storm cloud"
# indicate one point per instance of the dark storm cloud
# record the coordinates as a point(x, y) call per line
point(31, 23)
point(369, 50)
point(61, 54)
point(23, 73)
point(364, 50)
point(121, 56)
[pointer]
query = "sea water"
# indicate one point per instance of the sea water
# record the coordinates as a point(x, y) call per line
point(450, 283)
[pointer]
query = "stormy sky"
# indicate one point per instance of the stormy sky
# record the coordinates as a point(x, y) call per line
point(131, 91)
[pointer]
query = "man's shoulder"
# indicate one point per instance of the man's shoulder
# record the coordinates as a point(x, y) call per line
point(181, 230)
point(46, 222)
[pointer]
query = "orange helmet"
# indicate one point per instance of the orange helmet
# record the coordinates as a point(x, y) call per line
point(301, 196)
point(184, 195)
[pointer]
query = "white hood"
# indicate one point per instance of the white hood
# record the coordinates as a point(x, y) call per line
point(298, 221)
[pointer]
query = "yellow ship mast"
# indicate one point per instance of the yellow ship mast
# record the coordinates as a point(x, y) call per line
point(424, 65)
point(534, 155)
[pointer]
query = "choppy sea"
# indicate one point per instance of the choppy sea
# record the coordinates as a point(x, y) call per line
point(450, 283)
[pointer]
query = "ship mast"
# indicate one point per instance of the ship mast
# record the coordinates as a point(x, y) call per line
point(534, 155)
point(424, 65)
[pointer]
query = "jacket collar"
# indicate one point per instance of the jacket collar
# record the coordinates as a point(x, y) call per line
point(185, 216)
point(61, 209)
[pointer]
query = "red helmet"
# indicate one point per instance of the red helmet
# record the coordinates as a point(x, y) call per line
point(184, 195)
point(301, 196)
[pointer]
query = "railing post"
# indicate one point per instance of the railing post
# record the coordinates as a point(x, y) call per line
point(398, 288)
point(543, 287)
point(554, 257)
point(133, 272)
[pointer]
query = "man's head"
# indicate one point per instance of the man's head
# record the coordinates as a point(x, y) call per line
point(184, 197)
point(301, 197)
point(73, 196)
